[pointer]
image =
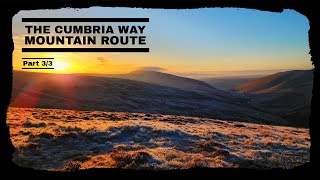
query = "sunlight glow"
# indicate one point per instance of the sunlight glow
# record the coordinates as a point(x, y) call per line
point(61, 66)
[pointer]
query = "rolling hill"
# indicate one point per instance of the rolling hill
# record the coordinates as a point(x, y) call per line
point(287, 94)
point(169, 80)
point(92, 93)
point(227, 83)
point(282, 81)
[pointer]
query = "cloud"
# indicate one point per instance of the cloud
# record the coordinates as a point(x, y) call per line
point(151, 68)
point(102, 59)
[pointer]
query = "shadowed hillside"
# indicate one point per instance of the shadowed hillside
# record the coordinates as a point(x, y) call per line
point(82, 92)
point(169, 80)
point(227, 83)
point(287, 94)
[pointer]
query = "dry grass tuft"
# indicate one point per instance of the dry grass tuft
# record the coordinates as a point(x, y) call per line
point(65, 140)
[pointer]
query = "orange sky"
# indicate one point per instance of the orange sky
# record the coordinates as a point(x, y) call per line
point(187, 42)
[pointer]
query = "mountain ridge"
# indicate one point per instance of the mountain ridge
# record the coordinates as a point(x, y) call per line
point(287, 94)
point(80, 92)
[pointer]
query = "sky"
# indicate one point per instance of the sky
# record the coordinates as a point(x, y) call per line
point(199, 42)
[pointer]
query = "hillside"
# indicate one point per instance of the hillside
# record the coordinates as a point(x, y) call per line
point(287, 94)
point(69, 140)
point(93, 93)
point(227, 83)
point(169, 80)
point(282, 81)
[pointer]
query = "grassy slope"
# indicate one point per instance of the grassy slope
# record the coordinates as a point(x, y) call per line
point(81, 92)
point(287, 94)
point(227, 83)
point(67, 140)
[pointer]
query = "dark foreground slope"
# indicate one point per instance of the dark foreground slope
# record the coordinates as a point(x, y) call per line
point(54, 139)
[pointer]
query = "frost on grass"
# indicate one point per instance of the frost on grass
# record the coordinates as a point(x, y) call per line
point(72, 140)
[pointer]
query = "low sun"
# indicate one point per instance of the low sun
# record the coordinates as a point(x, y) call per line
point(60, 66)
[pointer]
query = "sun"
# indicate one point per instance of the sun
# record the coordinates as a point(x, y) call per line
point(60, 66)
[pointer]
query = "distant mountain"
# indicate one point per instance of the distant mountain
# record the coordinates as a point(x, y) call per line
point(169, 80)
point(227, 83)
point(278, 82)
point(287, 94)
point(176, 96)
